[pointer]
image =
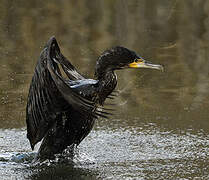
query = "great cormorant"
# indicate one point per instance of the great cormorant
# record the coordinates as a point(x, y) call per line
point(62, 110)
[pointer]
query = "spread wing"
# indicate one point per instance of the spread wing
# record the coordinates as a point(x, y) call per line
point(49, 94)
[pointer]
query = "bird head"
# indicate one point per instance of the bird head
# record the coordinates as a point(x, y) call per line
point(120, 58)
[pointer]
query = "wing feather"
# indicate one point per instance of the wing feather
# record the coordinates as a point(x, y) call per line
point(49, 94)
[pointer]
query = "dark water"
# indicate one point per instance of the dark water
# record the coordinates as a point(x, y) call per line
point(160, 129)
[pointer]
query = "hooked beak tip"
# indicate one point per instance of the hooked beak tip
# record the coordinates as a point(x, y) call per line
point(156, 66)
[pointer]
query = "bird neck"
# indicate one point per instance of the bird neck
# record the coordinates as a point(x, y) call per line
point(106, 84)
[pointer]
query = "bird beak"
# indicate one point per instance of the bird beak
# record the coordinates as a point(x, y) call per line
point(141, 63)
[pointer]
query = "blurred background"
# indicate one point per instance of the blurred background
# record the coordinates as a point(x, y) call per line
point(173, 33)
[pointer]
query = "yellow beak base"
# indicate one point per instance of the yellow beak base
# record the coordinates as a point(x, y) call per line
point(140, 63)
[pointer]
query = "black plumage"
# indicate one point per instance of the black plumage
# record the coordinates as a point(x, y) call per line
point(62, 110)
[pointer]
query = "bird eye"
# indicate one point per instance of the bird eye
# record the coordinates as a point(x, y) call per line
point(136, 60)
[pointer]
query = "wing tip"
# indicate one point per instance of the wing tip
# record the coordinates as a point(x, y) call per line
point(31, 144)
point(52, 40)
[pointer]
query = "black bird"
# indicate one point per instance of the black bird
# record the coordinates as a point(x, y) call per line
point(62, 110)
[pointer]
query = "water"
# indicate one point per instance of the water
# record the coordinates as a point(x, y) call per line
point(146, 152)
point(160, 127)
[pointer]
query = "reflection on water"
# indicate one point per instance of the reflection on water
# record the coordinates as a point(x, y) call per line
point(160, 128)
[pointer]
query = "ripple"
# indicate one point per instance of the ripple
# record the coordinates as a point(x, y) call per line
point(148, 152)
